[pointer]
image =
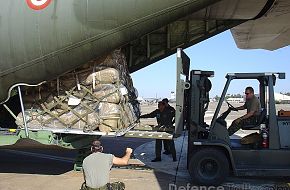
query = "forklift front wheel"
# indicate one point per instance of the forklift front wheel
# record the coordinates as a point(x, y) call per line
point(209, 166)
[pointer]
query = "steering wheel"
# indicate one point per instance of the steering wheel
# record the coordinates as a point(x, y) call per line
point(231, 106)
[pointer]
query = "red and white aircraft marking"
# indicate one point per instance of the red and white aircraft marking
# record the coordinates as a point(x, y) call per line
point(38, 4)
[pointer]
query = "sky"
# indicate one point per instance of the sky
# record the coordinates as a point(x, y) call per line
point(221, 55)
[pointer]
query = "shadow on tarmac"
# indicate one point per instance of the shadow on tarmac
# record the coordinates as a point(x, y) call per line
point(35, 158)
point(36, 161)
point(30, 157)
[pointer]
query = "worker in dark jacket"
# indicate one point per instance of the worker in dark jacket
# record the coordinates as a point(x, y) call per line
point(172, 110)
point(164, 119)
point(168, 143)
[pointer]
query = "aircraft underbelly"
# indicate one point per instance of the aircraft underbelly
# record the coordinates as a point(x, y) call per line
point(39, 45)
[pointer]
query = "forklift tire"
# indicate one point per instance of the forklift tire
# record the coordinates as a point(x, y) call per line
point(208, 166)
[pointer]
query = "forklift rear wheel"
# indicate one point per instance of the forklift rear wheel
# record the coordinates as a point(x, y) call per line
point(209, 167)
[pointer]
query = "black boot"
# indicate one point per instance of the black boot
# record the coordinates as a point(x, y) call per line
point(166, 152)
point(156, 160)
point(174, 158)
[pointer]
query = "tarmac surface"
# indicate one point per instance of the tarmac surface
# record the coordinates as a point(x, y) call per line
point(48, 168)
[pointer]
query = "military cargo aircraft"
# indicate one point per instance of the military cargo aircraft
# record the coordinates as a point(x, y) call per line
point(42, 39)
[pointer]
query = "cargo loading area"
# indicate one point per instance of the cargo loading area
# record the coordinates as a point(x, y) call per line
point(52, 169)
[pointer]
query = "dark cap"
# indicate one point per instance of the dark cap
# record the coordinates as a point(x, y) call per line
point(165, 100)
point(161, 102)
point(96, 143)
point(96, 146)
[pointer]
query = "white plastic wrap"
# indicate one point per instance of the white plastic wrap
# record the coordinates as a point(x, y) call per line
point(108, 93)
point(106, 76)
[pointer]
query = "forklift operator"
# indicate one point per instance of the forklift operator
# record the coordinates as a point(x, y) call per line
point(253, 107)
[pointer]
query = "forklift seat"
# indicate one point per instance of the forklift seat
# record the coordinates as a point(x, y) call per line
point(261, 119)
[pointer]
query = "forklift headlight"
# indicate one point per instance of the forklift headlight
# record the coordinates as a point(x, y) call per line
point(281, 75)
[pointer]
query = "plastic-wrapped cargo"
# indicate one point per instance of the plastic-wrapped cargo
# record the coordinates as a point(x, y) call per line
point(108, 93)
point(98, 96)
point(106, 76)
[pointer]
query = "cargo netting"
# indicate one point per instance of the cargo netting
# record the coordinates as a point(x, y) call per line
point(99, 96)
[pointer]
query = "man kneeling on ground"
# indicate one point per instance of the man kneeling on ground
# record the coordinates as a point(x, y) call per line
point(97, 166)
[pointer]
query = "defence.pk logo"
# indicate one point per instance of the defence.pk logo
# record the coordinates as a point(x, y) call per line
point(38, 4)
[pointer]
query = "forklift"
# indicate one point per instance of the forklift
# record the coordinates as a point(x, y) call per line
point(212, 154)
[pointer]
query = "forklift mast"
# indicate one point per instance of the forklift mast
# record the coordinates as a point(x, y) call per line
point(192, 94)
point(200, 86)
point(182, 86)
point(199, 95)
point(192, 98)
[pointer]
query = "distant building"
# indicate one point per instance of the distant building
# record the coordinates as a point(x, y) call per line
point(236, 100)
point(140, 99)
point(279, 98)
point(282, 98)
point(172, 95)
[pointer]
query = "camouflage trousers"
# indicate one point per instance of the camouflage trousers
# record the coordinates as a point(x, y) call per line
point(237, 124)
point(109, 186)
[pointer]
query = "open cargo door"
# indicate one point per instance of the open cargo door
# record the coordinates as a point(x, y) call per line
point(183, 65)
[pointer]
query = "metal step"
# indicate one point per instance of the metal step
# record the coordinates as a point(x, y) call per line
point(149, 134)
